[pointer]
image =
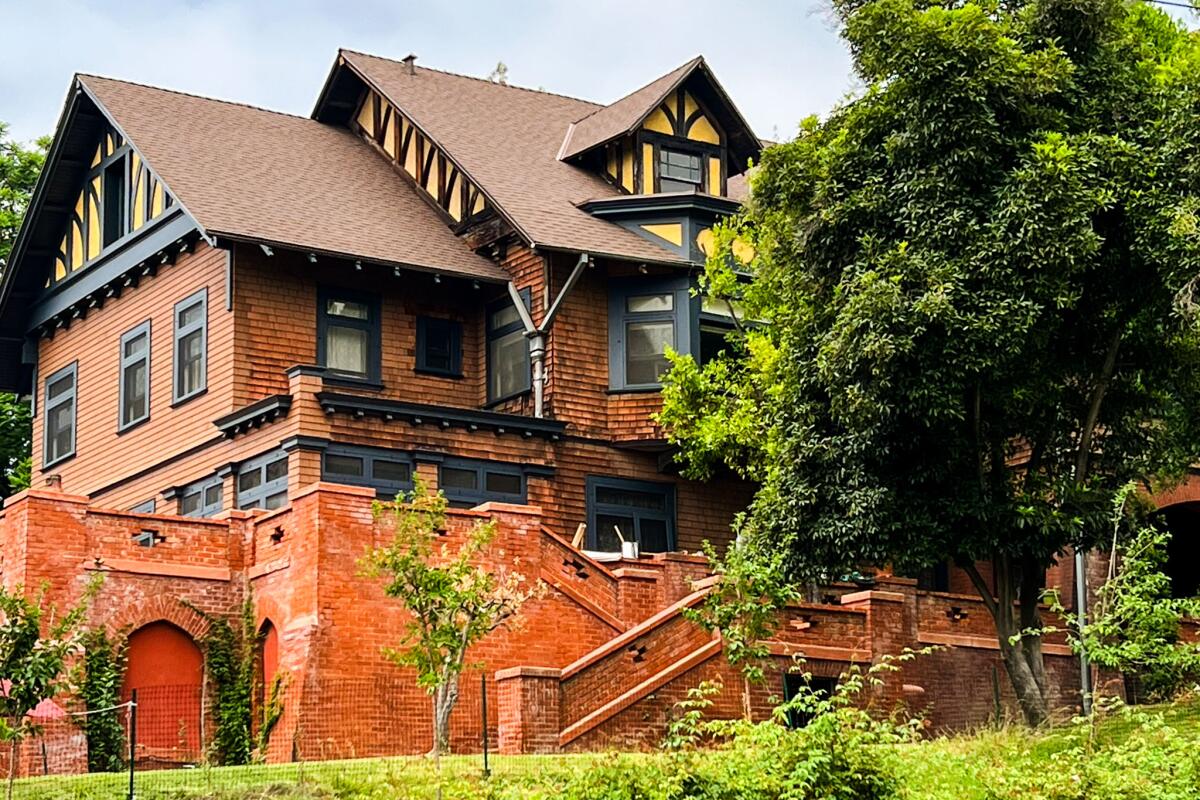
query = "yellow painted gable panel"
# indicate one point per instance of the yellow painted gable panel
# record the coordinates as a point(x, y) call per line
point(714, 175)
point(689, 105)
point(389, 136)
point(657, 121)
point(670, 231)
point(627, 168)
point(366, 114)
point(647, 168)
point(156, 205)
point(455, 204)
point(703, 131)
point(410, 160)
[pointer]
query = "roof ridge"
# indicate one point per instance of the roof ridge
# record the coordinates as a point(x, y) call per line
point(480, 80)
point(193, 95)
point(593, 112)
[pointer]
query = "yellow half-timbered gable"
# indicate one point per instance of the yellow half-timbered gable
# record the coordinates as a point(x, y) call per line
point(678, 146)
point(119, 196)
point(402, 142)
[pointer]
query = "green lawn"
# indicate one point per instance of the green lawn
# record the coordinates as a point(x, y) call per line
point(1142, 755)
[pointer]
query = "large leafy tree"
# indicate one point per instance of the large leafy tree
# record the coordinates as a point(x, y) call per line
point(976, 284)
point(19, 169)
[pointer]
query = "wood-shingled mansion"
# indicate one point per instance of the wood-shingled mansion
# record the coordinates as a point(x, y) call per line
point(238, 328)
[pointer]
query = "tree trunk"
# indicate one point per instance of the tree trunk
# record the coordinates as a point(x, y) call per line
point(12, 768)
point(1023, 658)
point(444, 699)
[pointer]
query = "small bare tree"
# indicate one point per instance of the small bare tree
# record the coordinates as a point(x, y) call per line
point(454, 600)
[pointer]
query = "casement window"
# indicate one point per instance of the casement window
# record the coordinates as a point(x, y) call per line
point(348, 334)
point(191, 347)
point(439, 347)
point(678, 170)
point(263, 482)
point(509, 370)
point(640, 510)
point(134, 389)
point(793, 683)
point(203, 498)
point(145, 507)
point(59, 422)
point(385, 471)
point(467, 483)
point(645, 318)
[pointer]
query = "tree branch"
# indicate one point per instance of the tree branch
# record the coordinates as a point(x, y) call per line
point(981, 586)
point(1093, 414)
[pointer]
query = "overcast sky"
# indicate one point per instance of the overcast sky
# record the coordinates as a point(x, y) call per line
point(276, 53)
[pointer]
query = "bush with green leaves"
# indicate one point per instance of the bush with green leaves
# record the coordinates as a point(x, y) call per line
point(103, 671)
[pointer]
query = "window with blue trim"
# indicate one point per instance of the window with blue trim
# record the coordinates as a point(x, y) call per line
point(202, 498)
point(385, 471)
point(263, 482)
point(439, 347)
point(468, 483)
point(638, 511)
point(191, 346)
point(645, 318)
point(508, 367)
point(145, 507)
point(348, 333)
point(59, 423)
point(134, 389)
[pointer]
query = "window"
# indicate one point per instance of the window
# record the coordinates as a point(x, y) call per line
point(469, 483)
point(793, 683)
point(145, 507)
point(191, 346)
point(348, 338)
point(641, 511)
point(114, 201)
point(507, 351)
point(385, 471)
point(134, 389)
point(678, 171)
point(202, 499)
point(645, 318)
point(439, 347)
point(60, 416)
point(716, 323)
point(263, 482)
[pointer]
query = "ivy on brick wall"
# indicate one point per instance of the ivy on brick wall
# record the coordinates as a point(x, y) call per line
point(104, 660)
point(230, 650)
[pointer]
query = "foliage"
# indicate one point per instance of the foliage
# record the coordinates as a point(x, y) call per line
point(230, 659)
point(36, 645)
point(453, 600)
point(272, 712)
point(104, 660)
point(687, 727)
point(970, 281)
point(1135, 626)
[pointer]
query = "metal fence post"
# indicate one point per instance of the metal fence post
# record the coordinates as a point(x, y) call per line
point(483, 687)
point(133, 705)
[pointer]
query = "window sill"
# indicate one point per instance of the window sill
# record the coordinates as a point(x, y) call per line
point(500, 400)
point(366, 384)
point(124, 429)
point(655, 389)
point(58, 461)
point(438, 373)
point(179, 401)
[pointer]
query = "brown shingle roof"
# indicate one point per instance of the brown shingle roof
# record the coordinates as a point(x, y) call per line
point(245, 172)
point(507, 139)
point(607, 123)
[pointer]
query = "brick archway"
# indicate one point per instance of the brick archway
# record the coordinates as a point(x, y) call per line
point(1186, 492)
point(161, 608)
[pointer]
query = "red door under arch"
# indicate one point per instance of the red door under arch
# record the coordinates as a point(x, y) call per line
point(268, 639)
point(166, 667)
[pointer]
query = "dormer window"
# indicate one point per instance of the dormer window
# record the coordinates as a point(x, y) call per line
point(678, 171)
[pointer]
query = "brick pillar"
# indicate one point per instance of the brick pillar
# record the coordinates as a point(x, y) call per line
point(528, 704)
point(888, 634)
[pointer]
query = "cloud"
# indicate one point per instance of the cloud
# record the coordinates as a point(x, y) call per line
point(780, 61)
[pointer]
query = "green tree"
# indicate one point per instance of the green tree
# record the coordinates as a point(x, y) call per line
point(19, 170)
point(453, 600)
point(36, 644)
point(977, 283)
point(104, 658)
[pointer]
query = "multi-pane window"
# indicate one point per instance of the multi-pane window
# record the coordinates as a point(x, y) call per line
point(678, 171)
point(202, 499)
point(348, 334)
point(816, 687)
point(646, 318)
point(469, 483)
point(134, 389)
point(716, 323)
point(439, 346)
point(388, 473)
point(145, 507)
point(263, 482)
point(191, 346)
point(60, 416)
point(507, 351)
point(633, 511)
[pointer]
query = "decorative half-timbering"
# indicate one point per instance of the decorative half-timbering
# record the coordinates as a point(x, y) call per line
point(119, 196)
point(380, 122)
